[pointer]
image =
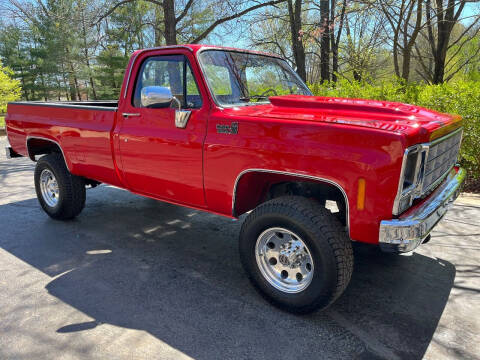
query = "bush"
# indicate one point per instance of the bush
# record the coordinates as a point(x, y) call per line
point(9, 88)
point(462, 97)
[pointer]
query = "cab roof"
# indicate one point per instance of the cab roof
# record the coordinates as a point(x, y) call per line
point(194, 48)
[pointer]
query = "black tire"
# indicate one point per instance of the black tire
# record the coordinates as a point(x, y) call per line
point(71, 188)
point(326, 239)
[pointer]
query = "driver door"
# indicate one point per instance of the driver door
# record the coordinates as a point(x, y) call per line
point(158, 158)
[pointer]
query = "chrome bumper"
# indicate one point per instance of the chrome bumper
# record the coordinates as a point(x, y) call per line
point(410, 229)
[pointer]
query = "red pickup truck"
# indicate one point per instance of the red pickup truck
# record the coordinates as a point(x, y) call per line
point(237, 132)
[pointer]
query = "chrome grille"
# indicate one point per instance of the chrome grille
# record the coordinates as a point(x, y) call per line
point(441, 157)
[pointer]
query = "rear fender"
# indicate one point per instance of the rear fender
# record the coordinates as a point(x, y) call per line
point(38, 145)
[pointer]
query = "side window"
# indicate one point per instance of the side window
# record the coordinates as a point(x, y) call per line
point(173, 72)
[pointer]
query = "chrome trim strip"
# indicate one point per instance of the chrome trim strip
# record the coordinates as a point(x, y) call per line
point(64, 105)
point(149, 49)
point(347, 207)
point(130, 74)
point(453, 133)
point(409, 231)
point(46, 139)
point(424, 147)
point(206, 48)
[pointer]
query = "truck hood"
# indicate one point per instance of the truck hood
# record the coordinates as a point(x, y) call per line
point(420, 124)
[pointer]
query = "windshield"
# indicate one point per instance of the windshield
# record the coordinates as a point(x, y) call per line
point(237, 78)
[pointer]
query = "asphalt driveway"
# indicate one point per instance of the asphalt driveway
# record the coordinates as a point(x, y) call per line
point(135, 278)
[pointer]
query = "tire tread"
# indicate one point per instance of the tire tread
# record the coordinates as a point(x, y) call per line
point(71, 186)
point(323, 224)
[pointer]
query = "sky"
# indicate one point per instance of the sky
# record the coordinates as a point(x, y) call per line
point(223, 35)
point(239, 40)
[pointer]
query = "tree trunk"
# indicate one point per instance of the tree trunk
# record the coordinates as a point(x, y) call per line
point(445, 22)
point(87, 61)
point(72, 79)
point(334, 64)
point(335, 40)
point(170, 21)
point(407, 57)
point(22, 77)
point(158, 32)
point(75, 80)
point(408, 43)
point(332, 39)
point(71, 84)
point(65, 82)
point(295, 16)
point(324, 40)
point(44, 87)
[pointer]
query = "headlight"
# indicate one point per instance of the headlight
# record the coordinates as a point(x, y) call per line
point(410, 170)
point(411, 178)
point(424, 167)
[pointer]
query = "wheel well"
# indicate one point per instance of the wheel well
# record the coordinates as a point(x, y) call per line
point(256, 187)
point(37, 146)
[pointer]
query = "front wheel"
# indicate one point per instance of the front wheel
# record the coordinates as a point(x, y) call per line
point(296, 253)
point(60, 193)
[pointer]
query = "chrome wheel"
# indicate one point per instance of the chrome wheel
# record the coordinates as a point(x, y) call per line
point(49, 188)
point(284, 260)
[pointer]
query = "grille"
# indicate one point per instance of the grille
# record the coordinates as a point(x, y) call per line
point(441, 157)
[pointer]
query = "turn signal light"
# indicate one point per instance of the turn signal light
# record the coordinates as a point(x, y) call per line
point(361, 194)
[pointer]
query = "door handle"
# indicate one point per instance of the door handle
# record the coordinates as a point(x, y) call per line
point(127, 115)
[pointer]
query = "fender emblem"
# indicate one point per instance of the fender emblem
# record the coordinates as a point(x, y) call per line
point(228, 129)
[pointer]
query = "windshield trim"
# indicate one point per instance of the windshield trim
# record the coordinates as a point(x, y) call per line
point(212, 95)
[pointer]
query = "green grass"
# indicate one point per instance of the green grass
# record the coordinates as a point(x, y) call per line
point(2, 122)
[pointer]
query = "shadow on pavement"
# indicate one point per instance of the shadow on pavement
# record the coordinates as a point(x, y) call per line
point(175, 273)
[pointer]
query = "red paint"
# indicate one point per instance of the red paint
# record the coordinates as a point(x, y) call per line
point(339, 140)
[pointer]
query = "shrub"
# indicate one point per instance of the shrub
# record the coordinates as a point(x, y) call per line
point(461, 97)
point(9, 88)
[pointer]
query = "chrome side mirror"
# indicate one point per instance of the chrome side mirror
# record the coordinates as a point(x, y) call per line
point(156, 96)
point(162, 97)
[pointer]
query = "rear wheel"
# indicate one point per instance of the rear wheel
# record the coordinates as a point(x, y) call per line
point(61, 194)
point(296, 253)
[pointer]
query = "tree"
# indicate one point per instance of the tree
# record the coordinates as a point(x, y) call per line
point(169, 20)
point(335, 38)
point(14, 54)
point(363, 54)
point(327, 33)
point(295, 17)
point(109, 72)
point(405, 19)
point(325, 28)
point(442, 16)
point(9, 88)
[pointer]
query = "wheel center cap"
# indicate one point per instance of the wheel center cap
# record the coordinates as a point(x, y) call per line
point(292, 254)
point(284, 260)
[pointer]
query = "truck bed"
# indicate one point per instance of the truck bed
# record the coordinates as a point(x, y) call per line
point(82, 130)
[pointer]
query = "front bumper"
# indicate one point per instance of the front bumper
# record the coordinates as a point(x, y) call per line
point(413, 227)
